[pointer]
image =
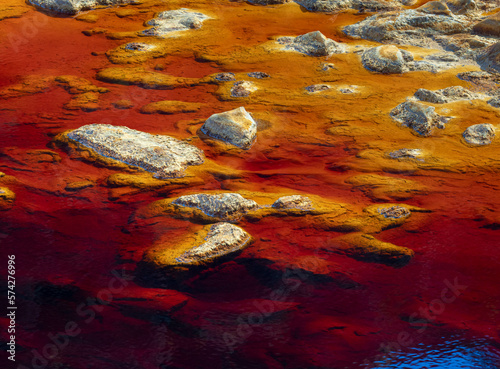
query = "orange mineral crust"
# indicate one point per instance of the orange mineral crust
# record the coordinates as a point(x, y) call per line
point(357, 226)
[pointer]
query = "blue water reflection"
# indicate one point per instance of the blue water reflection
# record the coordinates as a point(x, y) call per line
point(479, 353)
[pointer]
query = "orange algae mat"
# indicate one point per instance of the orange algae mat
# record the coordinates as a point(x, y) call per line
point(287, 300)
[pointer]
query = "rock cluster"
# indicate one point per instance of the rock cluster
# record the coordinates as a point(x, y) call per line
point(313, 44)
point(236, 127)
point(164, 156)
point(446, 95)
point(422, 119)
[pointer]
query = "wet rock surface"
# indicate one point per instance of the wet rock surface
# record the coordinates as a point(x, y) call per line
point(72, 7)
point(173, 21)
point(313, 44)
point(384, 59)
point(236, 127)
point(228, 206)
point(479, 134)
point(446, 95)
point(164, 156)
point(422, 119)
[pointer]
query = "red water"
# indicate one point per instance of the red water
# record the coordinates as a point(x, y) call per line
point(249, 312)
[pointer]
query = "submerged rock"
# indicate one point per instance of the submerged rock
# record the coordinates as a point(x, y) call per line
point(7, 198)
point(312, 43)
point(164, 156)
point(293, 202)
point(365, 247)
point(422, 119)
point(226, 206)
point(72, 7)
point(445, 95)
point(236, 127)
point(170, 107)
point(384, 59)
point(479, 134)
point(174, 20)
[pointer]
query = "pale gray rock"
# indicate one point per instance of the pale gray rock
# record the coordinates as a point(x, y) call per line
point(408, 27)
point(242, 89)
point(222, 239)
point(165, 156)
point(386, 59)
point(268, 2)
point(236, 127)
point(312, 43)
point(225, 77)
point(395, 212)
point(422, 119)
point(495, 102)
point(317, 88)
point(446, 95)
point(406, 154)
point(331, 6)
point(225, 207)
point(173, 21)
point(293, 202)
point(479, 134)
point(72, 7)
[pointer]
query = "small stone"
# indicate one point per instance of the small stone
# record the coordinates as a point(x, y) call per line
point(312, 43)
point(224, 77)
point(325, 67)
point(406, 154)
point(422, 119)
point(222, 239)
point(479, 134)
point(236, 127)
point(293, 202)
point(258, 75)
point(138, 46)
point(225, 207)
point(384, 59)
point(317, 88)
point(242, 89)
point(395, 212)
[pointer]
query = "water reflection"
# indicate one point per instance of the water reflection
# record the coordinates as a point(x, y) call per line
point(451, 354)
